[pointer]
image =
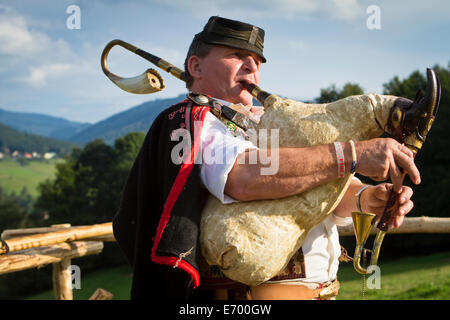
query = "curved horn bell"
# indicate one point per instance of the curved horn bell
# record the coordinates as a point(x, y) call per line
point(148, 82)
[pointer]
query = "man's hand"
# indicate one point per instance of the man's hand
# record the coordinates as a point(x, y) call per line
point(381, 158)
point(374, 198)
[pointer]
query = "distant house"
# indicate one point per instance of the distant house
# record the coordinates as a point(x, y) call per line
point(15, 154)
point(36, 155)
point(49, 155)
point(27, 155)
point(1, 155)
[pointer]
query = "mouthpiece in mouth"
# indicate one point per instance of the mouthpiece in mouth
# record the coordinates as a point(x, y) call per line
point(247, 85)
point(255, 91)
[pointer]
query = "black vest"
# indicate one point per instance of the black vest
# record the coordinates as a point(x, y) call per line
point(158, 222)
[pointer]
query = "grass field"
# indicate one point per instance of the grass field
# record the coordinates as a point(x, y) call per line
point(115, 280)
point(13, 176)
point(414, 278)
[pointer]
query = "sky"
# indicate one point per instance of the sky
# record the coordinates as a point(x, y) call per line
point(50, 56)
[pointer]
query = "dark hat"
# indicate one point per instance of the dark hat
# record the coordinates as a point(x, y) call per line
point(233, 34)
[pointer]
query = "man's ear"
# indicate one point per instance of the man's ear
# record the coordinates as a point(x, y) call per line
point(194, 67)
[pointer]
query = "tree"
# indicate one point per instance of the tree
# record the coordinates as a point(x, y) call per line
point(16, 211)
point(407, 87)
point(88, 184)
point(350, 89)
point(328, 94)
point(331, 93)
point(11, 213)
point(127, 147)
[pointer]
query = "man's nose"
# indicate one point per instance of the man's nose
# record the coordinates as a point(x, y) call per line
point(250, 64)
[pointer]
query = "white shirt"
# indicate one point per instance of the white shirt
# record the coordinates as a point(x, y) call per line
point(220, 149)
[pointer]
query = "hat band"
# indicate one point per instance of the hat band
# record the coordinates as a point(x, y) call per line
point(252, 37)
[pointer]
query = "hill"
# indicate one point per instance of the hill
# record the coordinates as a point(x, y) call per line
point(41, 124)
point(27, 142)
point(136, 119)
point(15, 176)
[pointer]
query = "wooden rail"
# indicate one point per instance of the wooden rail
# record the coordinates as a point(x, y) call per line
point(410, 225)
point(57, 245)
point(66, 234)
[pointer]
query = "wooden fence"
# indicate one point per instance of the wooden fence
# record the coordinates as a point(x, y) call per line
point(23, 249)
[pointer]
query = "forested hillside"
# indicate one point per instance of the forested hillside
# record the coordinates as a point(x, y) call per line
point(26, 142)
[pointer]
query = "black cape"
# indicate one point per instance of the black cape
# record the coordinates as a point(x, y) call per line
point(157, 224)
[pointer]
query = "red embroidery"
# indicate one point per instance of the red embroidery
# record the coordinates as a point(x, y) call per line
point(173, 113)
point(196, 113)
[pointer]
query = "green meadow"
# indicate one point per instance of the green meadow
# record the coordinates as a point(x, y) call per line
point(116, 280)
point(14, 176)
point(411, 278)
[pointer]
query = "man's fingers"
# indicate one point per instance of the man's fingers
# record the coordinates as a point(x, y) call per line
point(406, 150)
point(382, 191)
point(396, 176)
point(407, 163)
point(405, 208)
point(405, 194)
point(398, 221)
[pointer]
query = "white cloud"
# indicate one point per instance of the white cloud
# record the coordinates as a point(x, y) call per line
point(39, 76)
point(19, 37)
point(30, 56)
point(15, 36)
point(347, 9)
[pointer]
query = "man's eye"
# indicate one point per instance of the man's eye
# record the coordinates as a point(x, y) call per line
point(236, 54)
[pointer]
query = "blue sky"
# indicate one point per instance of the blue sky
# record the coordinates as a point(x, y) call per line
point(48, 68)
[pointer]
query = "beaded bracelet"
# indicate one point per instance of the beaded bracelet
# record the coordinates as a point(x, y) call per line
point(340, 159)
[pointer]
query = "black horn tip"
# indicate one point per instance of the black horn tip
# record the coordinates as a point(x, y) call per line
point(432, 84)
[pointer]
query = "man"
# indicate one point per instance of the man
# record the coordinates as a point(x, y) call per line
point(221, 58)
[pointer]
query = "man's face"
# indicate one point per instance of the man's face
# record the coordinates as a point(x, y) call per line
point(220, 74)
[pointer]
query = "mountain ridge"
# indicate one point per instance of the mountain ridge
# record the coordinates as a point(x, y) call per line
point(41, 124)
point(138, 118)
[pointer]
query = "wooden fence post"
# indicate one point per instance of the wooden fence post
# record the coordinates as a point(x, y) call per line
point(62, 275)
point(62, 280)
